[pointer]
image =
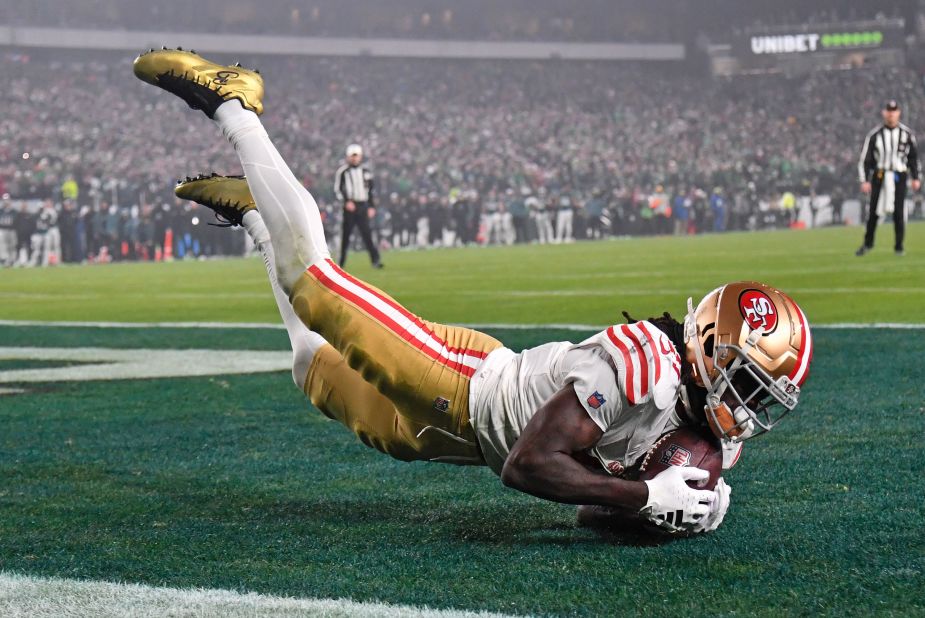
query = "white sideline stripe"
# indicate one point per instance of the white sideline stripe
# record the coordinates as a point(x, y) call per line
point(41, 597)
point(553, 326)
point(133, 364)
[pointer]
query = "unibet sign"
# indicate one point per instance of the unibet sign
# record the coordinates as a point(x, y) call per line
point(811, 42)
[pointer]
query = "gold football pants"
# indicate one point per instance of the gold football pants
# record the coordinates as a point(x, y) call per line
point(398, 382)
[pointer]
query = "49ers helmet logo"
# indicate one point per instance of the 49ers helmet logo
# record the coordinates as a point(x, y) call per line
point(758, 310)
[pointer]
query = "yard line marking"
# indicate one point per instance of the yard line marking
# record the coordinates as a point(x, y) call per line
point(44, 597)
point(76, 324)
point(121, 364)
point(498, 325)
point(136, 293)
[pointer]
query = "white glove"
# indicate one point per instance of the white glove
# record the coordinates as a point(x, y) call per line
point(672, 504)
point(714, 518)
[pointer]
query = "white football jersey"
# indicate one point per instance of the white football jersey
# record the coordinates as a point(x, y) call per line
point(626, 378)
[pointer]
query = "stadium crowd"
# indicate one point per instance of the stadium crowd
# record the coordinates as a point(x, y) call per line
point(589, 20)
point(463, 151)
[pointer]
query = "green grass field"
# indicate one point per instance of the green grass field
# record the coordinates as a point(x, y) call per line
point(587, 283)
point(234, 482)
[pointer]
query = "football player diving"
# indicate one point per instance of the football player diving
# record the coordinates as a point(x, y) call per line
point(562, 421)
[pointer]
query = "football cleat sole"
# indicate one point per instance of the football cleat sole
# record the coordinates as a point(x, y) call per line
point(202, 84)
point(228, 197)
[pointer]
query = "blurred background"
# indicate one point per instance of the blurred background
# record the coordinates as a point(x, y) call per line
point(506, 121)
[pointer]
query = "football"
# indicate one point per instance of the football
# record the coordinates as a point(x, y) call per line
point(687, 446)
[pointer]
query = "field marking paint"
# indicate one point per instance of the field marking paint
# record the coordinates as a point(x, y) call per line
point(117, 364)
point(498, 325)
point(129, 294)
point(508, 293)
point(72, 324)
point(43, 597)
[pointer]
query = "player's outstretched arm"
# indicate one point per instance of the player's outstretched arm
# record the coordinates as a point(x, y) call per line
point(542, 462)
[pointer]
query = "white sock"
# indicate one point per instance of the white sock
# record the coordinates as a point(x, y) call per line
point(303, 341)
point(289, 210)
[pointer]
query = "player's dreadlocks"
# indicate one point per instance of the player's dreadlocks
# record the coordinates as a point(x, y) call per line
point(675, 331)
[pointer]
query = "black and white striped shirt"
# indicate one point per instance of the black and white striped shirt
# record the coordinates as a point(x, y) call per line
point(353, 182)
point(889, 150)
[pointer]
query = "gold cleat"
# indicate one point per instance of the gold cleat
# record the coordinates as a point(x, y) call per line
point(228, 196)
point(202, 84)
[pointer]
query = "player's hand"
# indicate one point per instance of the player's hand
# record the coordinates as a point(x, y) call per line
point(714, 518)
point(371, 212)
point(865, 187)
point(916, 184)
point(672, 504)
point(350, 206)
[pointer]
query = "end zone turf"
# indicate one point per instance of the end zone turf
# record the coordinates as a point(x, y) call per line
point(231, 482)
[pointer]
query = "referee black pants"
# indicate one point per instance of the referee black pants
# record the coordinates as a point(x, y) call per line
point(358, 218)
point(899, 212)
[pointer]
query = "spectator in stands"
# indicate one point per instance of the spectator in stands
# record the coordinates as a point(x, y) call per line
point(565, 216)
point(520, 215)
point(7, 233)
point(747, 135)
point(679, 211)
point(718, 206)
point(540, 215)
point(25, 229)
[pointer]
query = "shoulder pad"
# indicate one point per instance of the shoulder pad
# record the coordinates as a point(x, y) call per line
point(651, 365)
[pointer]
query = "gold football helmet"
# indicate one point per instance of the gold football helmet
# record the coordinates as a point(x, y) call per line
point(750, 347)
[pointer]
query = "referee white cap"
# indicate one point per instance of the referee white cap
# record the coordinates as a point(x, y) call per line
point(353, 149)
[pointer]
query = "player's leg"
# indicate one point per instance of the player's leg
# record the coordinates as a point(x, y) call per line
point(422, 368)
point(232, 96)
point(339, 392)
point(319, 370)
point(289, 210)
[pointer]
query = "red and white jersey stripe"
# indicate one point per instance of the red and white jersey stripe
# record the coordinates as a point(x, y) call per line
point(648, 365)
point(625, 377)
point(395, 318)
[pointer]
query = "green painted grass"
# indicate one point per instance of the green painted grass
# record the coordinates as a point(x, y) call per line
point(234, 482)
point(581, 283)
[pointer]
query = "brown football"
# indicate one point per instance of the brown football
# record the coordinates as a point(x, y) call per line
point(687, 446)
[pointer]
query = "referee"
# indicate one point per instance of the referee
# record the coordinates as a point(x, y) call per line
point(353, 186)
point(888, 158)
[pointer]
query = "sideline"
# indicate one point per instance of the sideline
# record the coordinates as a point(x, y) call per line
point(41, 597)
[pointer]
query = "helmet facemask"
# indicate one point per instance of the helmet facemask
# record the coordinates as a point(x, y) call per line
point(743, 399)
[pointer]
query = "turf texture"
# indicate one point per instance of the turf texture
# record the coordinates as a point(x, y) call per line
point(588, 283)
point(235, 482)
